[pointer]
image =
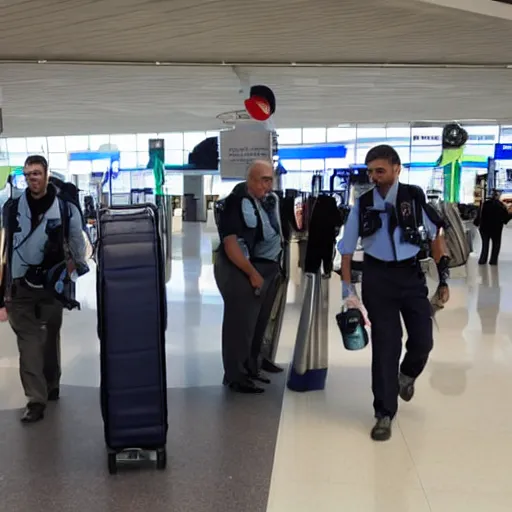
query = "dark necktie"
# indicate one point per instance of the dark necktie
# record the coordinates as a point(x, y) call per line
point(393, 221)
point(392, 225)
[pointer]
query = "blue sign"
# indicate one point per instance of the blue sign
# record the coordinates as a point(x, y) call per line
point(503, 152)
point(312, 152)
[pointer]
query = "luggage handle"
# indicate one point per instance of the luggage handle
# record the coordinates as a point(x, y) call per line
point(128, 207)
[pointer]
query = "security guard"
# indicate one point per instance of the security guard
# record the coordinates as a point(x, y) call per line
point(395, 224)
point(246, 270)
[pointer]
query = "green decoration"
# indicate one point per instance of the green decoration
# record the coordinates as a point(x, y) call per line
point(156, 162)
point(5, 171)
point(159, 175)
point(451, 162)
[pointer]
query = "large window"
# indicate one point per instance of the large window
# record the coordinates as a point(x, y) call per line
point(419, 148)
point(506, 134)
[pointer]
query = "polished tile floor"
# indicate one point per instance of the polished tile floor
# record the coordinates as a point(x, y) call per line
point(451, 449)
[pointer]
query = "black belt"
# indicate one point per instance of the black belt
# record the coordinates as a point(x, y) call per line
point(263, 260)
point(411, 262)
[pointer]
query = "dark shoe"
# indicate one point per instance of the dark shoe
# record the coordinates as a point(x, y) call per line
point(247, 387)
point(480, 262)
point(54, 395)
point(33, 413)
point(259, 377)
point(270, 367)
point(382, 429)
point(406, 389)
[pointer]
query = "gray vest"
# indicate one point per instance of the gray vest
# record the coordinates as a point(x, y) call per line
point(27, 247)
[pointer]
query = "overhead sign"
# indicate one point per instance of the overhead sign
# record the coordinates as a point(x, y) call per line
point(432, 140)
point(240, 147)
point(503, 152)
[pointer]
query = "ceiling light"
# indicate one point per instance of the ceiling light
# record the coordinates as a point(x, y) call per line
point(42, 61)
point(157, 63)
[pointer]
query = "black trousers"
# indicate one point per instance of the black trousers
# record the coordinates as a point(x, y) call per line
point(246, 315)
point(487, 238)
point(387, 293)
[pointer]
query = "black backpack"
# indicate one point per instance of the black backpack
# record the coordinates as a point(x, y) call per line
point(68, 193)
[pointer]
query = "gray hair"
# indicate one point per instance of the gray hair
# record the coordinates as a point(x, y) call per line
point(257, 163)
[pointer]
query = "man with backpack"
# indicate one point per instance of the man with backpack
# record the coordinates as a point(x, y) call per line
point(246, 271)
point(397, 227)
point(44, 246)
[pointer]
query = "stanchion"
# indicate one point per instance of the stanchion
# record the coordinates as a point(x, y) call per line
point(310, 358)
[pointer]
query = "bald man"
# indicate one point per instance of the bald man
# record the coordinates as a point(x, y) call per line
point(246, 272)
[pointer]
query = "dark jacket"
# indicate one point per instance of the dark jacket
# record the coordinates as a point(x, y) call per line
point(492, 216)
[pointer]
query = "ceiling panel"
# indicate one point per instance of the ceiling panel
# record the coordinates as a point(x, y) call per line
point(62, 99)
point(68, 99)
point(249, 31)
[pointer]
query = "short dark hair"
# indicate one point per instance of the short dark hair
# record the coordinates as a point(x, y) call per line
point(383, 152)
point(37, 160)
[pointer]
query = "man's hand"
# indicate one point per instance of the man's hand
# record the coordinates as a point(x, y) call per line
point(443, 293)
point(3, 315)
point(256, 280)
point(353, 302)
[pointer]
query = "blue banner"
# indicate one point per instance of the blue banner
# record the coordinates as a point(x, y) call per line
point(503, 152)
point(313, 152)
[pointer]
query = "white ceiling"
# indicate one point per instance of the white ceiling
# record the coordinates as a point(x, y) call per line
point(46, 99)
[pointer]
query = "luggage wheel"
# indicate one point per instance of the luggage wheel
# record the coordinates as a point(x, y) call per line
point(161, 459)
point(112, 463)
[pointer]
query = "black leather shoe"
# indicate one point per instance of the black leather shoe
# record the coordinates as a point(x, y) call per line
point(382, 429)
point(54, 395)
point(259, 377)
point(247, 387)
point(270, 367)
point(33, 413)
point(406, 387)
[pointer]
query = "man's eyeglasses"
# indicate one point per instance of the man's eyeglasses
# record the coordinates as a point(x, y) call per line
point(29, 174)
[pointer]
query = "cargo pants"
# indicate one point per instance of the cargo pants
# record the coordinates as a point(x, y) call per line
point(36, 318)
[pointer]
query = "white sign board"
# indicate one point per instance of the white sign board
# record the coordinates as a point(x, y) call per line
point(238, 148)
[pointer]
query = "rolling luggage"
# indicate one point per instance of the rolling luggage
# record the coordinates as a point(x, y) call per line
point(132, 320)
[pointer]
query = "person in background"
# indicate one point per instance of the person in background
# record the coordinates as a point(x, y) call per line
point(491, 218)
point(246, 271)
point(394, 222)
point(34, 243)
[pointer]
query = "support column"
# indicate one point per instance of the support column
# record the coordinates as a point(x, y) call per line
point(194, 199)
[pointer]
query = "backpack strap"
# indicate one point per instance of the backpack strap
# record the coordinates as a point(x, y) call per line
point(365, 203)
point(366, 200)
point(10, 213)
point(65, 215)
point(419, 201)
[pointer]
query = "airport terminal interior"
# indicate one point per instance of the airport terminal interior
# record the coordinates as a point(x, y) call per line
point(125, 99)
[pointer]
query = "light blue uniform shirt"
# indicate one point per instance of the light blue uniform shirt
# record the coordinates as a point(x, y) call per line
point(379, 244)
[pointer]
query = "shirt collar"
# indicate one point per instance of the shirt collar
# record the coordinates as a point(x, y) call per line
point(391, 196)
point(392, 193)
